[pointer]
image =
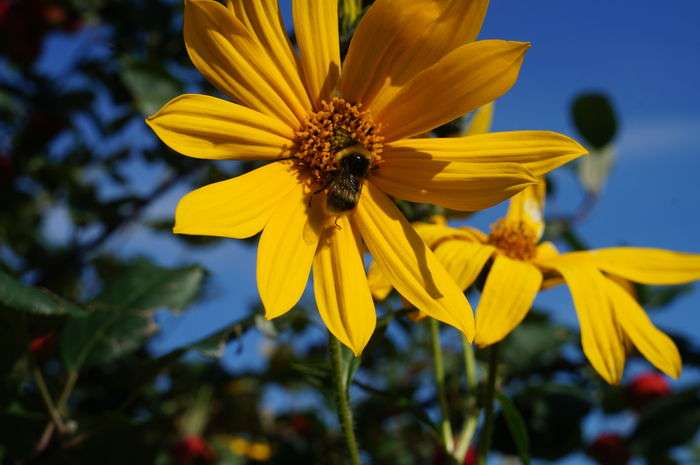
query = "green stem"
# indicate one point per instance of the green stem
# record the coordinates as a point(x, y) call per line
point(487, 432)
point(472, 415)
point(48, 401)
point(342, 401)
point(67, 391)
point(439, 367)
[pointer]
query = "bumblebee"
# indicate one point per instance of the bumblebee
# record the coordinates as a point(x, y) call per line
point(345, 184)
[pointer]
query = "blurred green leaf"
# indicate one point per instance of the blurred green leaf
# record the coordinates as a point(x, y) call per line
point(142, 285)
point(668, 422)
point(121, 321)
point(105, 335)
point(660, 296)
point(33, 300)
point(150, 84)
point(13, 344)
point(690, 351)
point(553, 414)
point(517, 427)
point(536, 342)
point(613, 399)
point(595, 119)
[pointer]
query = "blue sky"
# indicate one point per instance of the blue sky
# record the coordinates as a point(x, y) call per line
point(645, 54)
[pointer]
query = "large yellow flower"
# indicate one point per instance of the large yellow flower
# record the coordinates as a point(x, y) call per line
point(609, 316)
point(339, 141)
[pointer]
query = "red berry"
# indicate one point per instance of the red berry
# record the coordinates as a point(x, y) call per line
point(42, 346)
point(192, 450)
point(646, 388)
point(609, 449)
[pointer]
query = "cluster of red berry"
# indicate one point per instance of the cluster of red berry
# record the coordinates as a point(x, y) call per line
point(611, 448)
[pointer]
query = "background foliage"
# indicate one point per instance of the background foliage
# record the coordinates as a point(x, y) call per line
point(79, 382)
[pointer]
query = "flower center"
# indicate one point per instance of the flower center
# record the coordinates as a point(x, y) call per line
point(338, 125)
point(516, 240)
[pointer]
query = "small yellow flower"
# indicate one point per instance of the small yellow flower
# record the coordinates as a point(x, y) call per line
point(609, 316)
point(338, 139)
point(254, 450)
point(260, 451)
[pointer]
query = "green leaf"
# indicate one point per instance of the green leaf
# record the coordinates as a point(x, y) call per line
point(121, 320)
point(353, 366)
point(517, 427)
point(660, 296)
point(150, 84)
point(534, 344)
point(17, 296)
point(553, 414)
point(105, 335)
point(594, 117)
point(141, 285)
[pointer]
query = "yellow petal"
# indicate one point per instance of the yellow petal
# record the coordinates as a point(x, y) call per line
point(237, 208)
point(316, 28)
point(378, 282)
point(409, 265)
point(481, 121)
point(263, 20)
point(233, 60)
point(643, 265)
point(456, 185)
point(510, 289)
point(463, 80)
point(398, 39)
point(546, 251)
point(653, 344)
point(463, 260)
point(600, 336)
point(528, 207)
point(200, 126)
point(538, 151)
point(285, 253)
point(340, 286)
point(433, 234)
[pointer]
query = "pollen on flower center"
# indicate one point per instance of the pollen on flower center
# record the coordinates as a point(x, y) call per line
point(336, 126)
point(516, 240)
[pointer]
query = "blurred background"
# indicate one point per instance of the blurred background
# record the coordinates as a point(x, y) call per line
point(152, 346)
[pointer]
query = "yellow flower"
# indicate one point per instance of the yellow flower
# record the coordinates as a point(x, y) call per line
point(255, 450)
point(609, 316)
point(338, 142)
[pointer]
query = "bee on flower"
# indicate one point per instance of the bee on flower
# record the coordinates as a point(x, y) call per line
point(339, 139)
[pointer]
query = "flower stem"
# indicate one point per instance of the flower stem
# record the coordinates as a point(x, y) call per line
point(472, 414)
point(342, 400)
point(439, 367)
point(487, 432)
